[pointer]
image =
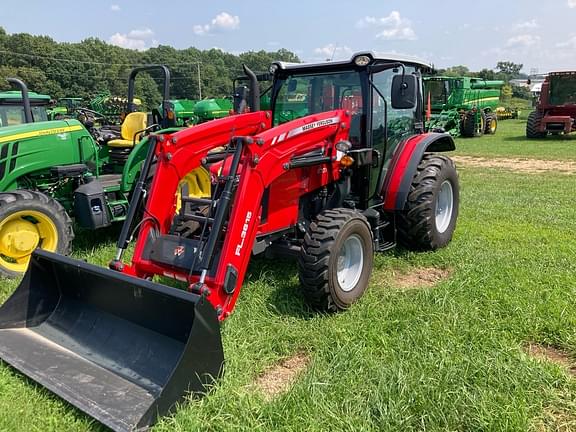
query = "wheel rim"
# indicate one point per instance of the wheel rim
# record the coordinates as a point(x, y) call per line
point(493, 125)
point(444, 206)
point(21, 233)
point(350, 263)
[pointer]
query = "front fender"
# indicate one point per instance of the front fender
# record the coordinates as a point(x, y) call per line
point(405, 162)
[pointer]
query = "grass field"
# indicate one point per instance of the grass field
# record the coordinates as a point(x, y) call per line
point(488, 344)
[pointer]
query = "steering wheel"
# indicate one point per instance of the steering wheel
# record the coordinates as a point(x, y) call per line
point(87, 117)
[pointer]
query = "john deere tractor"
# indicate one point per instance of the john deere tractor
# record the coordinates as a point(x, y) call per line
point(462, 106)
point(53, 171)
point(13, 110)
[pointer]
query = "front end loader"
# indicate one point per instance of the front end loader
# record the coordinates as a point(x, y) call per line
point(350, 174)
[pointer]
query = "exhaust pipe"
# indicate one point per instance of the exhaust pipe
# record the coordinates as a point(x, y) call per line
point(254, 89)
point(123, 350)
point(25, 98)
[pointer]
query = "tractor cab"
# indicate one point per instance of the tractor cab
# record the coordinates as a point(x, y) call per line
point(382, 94)
point(13, 111)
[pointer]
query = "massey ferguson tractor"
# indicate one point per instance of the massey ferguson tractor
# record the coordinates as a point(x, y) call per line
point(556, 109)
point(353, 174)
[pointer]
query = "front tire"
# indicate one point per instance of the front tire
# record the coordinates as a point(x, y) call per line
point(30, 220)
point(336, 259)
point(473, 124)
point(533, 126)
point(431, 210)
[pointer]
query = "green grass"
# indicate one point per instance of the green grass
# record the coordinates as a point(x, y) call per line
point(446, 358)
point(510, 142)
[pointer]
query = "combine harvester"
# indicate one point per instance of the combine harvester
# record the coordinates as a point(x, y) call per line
point(462, 106)
point(331, 188)
point(556, 109)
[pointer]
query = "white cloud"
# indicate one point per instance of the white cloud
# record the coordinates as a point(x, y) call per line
point(222, 22)
point(572, 4)
point(392, 27)
point(114, 8)
point(138, 39)
point(570, 43)
point(333, 52)
point(527, 25)
point(141, 34)
point(523, 41)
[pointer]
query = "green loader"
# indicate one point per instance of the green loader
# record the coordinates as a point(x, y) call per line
point(462, 106)
point(53, 171)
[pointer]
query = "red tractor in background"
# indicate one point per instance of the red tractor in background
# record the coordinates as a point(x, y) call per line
point(556, 109)
point(340, 168)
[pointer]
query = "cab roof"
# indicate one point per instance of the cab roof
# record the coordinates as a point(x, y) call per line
point(376, 58)
point(15, 97)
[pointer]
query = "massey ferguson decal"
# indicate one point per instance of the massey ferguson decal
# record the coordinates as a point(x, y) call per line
point(305, 128)
point(240, 245)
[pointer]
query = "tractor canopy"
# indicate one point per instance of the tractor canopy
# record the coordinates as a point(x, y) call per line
point(12, 108)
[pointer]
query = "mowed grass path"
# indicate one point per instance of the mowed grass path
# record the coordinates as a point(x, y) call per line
point(447, 357)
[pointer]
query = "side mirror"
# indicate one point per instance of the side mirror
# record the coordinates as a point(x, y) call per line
point(404, 92)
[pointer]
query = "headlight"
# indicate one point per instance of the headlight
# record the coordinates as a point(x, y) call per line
point(273, 68)
point(362, 60)
point(343, 146)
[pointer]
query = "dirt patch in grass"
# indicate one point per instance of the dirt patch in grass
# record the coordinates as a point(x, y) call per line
point(424, 277)
point(553, 355)
point(279, 378)
point(530, 166)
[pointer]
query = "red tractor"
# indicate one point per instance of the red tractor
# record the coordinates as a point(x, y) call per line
point(556, 109)
point(331, 186)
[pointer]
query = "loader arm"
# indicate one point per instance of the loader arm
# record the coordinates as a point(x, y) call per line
point(262, 159)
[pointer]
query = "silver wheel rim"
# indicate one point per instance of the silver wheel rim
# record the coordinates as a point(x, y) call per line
point(444, 206)
point(350, 263)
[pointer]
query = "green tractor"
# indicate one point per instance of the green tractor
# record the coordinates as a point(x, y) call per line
point(462, 106)
point(52, 171)
point(13, 110)
point(64, 107)
point(211, 109)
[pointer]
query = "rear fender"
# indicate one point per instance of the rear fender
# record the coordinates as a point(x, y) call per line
point(404, 164)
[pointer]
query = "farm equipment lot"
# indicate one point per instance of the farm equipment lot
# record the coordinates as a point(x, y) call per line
point(447, 350)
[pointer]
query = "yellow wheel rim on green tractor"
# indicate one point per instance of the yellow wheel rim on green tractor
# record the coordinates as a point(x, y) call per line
point(21, 233)
point(492, 125)
point(198, 183)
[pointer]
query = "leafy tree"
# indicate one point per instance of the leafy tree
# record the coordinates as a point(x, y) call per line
point(509, 69)
point(93, 66)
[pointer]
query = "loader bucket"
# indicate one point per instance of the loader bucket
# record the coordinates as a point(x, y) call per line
point(122, 349)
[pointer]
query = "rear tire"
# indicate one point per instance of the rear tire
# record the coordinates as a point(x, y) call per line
point(533, 126)
point(491, 124)
point(336, 259)
point(30, 220)
point(431, 210)
point(470, 127)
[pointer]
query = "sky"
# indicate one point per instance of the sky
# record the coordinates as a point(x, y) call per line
point(539, 34)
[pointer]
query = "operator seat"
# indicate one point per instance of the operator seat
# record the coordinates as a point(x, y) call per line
point(132, 126)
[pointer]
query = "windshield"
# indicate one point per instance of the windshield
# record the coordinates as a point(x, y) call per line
point(563, 90)
point(438, 90)
point(14, 114)
point(302, 95)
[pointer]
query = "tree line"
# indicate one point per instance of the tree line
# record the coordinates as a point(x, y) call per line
point(93, 66)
